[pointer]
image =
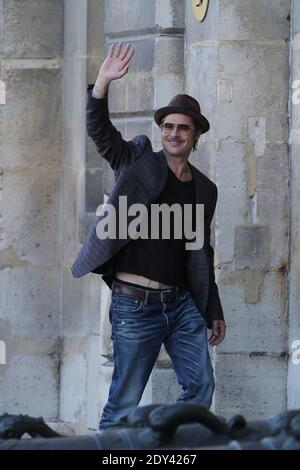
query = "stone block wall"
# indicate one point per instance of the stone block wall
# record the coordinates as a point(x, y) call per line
point(238, 67)
point(31, 49)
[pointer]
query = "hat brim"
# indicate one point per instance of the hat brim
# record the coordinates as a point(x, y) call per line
point(199, 118)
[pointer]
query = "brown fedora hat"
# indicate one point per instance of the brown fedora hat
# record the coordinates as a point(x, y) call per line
point(183, 104)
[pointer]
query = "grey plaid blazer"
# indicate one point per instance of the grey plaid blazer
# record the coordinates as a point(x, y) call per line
point(141, 175)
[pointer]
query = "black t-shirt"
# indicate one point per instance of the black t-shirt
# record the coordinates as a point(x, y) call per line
point(161, 260)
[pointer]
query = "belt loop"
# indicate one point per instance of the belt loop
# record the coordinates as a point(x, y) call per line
point(146, 297)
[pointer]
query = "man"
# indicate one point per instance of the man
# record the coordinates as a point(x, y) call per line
point(161, 292)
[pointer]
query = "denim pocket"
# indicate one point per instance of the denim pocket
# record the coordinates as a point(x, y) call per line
point(126, 303)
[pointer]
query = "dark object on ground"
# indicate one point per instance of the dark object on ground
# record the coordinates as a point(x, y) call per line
point(179, 426)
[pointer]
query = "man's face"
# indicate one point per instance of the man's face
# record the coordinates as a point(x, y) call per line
point(175, 142)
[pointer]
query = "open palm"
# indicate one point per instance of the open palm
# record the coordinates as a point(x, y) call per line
point(117, 61)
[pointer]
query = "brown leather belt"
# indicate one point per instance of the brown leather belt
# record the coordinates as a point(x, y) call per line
point(165, 295)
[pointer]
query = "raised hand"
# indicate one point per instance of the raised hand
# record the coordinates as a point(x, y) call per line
point(117, 61)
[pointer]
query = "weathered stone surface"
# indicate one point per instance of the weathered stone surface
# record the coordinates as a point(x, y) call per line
point(251, 385)
point(231, 206)
point(273, 201)
point(73, 210)
point(32, 29)
point(203, 63)
point(240, 21)
point(73, 387)
point(247, 65)
point(28, 308)
point(125, 16)
point(170, 15)
point(239, 55)
point(132, 17)
point(203, 158)
point(169, 69)
point(255, 308)
point(201, 31)
point(95, 38)
point(30, 386)
point(30, 217)
point(251, 247)
point(94, 189)
point(31, 119)
point(254, 21)
point(74, 297)
point(172, 49)
point(31, 139)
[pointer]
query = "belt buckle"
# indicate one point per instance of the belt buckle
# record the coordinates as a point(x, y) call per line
point(166, 296)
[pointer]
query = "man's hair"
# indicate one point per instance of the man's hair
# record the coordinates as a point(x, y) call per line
point(197, 129)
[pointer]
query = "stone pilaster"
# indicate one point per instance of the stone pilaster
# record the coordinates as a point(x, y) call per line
point(30, 146)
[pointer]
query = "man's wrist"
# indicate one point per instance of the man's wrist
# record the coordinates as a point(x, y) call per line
point(100, 89)
point(97, 93)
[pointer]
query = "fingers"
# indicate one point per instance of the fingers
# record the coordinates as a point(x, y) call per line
point(123, 71)
point(124, 51)
point(218, 333)
point(211, 339)
point(218, 340)
point(118, 48)
point(121, 51)
point(129, 53)
point(111, 51)
point(214, 340)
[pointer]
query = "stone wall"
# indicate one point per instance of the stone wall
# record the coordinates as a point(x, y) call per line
point(238, 67)
point(31, 48)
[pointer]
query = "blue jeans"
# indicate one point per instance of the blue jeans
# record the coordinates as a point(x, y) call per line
point(138, 331)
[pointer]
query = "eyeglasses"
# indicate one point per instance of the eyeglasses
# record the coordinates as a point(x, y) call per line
point(168, 127)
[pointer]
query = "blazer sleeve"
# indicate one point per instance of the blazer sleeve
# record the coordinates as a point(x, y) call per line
point(109, 142)
point(214, 309)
